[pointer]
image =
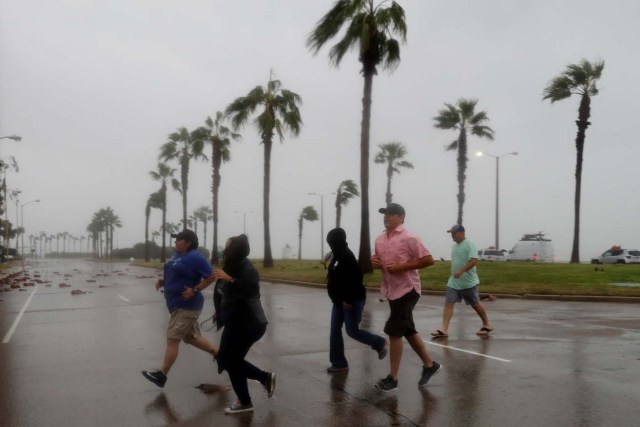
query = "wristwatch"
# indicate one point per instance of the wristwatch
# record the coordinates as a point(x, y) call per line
point(195, 289)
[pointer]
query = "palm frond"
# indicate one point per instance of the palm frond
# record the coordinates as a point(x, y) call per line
point(451, 147)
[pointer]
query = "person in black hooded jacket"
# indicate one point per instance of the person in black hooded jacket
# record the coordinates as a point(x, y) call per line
point(348, 295)
point(238, 308)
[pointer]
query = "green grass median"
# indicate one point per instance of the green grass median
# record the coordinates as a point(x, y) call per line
point(516, 278)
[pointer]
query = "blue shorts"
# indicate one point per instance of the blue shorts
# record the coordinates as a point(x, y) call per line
point(469, 295)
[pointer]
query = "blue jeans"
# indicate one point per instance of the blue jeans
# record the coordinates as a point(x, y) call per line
point(351, 318)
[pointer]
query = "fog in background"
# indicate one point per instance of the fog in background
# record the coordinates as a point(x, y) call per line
point(94, 88)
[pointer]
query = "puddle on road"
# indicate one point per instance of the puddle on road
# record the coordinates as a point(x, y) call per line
point(627, 285)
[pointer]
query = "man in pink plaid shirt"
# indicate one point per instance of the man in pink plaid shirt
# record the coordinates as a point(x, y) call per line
point(400, 254)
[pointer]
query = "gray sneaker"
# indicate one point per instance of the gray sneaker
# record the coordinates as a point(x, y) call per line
point(387, 384)
point(238, 408)
point(427, 373)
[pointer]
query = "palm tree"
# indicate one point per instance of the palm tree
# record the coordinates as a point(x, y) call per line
point(163, 174)
point(203, 213)
point(183, 147)
point(463, 118)
point(279, 112)
point(220, 137)
point(392, 154)
point(577, 79)
point(309, 214)
point(154, 235)
point(370, 29)
point(346, 191)
point(154, 201)
point(172, 228)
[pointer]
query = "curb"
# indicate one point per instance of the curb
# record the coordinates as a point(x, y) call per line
point(575, 298)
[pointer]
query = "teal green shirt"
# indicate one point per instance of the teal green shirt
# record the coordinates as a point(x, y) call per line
point(461, 254)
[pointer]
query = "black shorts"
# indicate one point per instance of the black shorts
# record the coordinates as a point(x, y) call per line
point(400, 323)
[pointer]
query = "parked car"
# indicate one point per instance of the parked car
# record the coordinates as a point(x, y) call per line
point(491, 254)
point(618, 256)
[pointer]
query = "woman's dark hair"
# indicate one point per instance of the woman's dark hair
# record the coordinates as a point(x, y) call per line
point(237, 250)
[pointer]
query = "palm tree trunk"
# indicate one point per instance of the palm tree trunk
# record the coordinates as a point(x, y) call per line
point(583, 123)
point(300, 238)
point(338, 211)
point(163, 256)
point(268, 258)
point(216, 159)
point(364, 254)
point(147, 214)
point(389, 176)
point(462, 168)
point(185, 188)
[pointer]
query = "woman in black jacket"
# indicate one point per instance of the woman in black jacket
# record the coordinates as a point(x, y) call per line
point(347, 293)
point(237, 303)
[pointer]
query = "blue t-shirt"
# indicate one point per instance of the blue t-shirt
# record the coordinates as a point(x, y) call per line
point(185, 271)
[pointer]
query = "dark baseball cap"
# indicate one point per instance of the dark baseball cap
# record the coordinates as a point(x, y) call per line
point(189, 236)
point(392, 209)
point(456, 228)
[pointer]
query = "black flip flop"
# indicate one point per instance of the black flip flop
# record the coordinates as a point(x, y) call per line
point(439, 334)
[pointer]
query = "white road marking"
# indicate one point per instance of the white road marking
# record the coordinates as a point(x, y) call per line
point(15, 323)
point(465, 351)
point(469, 351)
point(123, 298)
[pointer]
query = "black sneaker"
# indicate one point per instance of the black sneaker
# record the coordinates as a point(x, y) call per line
point(382, 353)
point(156, 376)
point(387, 384)
point(332, 369)
point(270, 385)
point(427, 373)
point(237, 408)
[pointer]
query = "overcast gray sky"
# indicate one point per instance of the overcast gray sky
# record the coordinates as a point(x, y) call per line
point(95, 87)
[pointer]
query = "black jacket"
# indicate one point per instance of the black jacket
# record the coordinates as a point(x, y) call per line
point(344, 277)
point(238, 302)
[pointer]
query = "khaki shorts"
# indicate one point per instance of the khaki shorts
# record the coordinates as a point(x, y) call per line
point(183, 324)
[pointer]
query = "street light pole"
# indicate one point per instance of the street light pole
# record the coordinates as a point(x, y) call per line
point(244, 220)
point(321, 222)
point(22, 221)
point(481, 153)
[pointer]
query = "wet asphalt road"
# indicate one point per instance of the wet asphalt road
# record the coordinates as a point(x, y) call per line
point(75, 360)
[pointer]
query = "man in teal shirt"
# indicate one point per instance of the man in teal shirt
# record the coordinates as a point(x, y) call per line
point(463, 282)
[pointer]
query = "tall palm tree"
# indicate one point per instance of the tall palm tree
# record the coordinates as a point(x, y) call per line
point(183, 147)
point(154, 235)
point(370, 29)
point(219, 136)
point(463, 118)
point(392, 154)
point(309, 214)
point(278, 112)
point(578, 79)
point(346, 191)
point(155, 201)
point(164, 173)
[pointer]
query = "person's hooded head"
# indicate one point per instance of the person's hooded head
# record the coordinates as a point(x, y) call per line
point(337, 240)
point(235, 251)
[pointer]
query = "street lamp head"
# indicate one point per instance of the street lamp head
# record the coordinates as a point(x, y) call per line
point(14, 137)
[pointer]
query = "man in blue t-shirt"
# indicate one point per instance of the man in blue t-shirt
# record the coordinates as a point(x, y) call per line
point(463, 282)
point(186, 275)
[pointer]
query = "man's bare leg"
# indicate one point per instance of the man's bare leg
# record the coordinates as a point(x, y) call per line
point(395, 355)
point(417, 344)
point(170, 355)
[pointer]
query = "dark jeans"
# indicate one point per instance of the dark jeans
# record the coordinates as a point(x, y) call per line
point(351, 318)
point(235, 343)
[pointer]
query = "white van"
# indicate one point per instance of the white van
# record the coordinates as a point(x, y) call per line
point(492, 254)
point(533, 247)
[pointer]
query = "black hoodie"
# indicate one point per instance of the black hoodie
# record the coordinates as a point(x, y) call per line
point(344, 277)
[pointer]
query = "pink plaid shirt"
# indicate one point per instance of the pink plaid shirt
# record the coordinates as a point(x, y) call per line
point(399, 246)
